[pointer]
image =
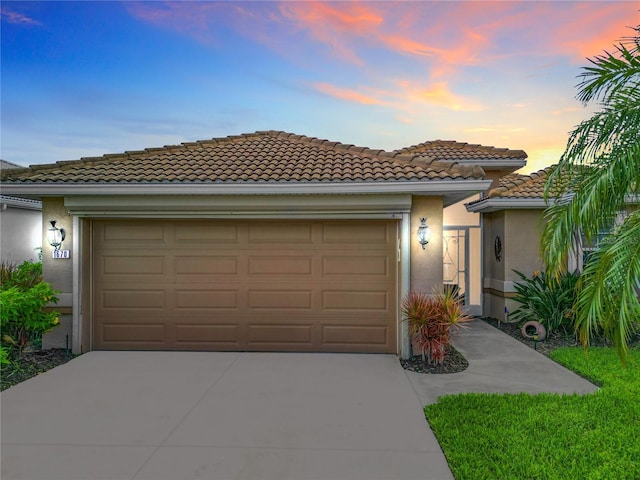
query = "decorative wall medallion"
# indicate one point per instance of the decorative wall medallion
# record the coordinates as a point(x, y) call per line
point(497, 248)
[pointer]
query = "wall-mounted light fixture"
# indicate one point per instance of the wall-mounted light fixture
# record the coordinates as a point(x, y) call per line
point(424, 233)
point(55, 235)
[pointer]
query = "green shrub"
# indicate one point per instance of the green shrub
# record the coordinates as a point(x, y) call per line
point(23, 301)
point(547, 300)
point(23, 276)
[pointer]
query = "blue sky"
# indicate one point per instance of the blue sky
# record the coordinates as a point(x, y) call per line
point(89, 78)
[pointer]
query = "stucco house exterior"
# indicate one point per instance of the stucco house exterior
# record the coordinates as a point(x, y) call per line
point(268, 241)
point(512, 219)
point(20, 225)
point(463, 250)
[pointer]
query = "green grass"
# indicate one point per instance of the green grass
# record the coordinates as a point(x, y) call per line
point(548, 436)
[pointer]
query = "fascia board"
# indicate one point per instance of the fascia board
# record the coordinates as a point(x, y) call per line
point(431, 187)
point(491, 163)
point(266, 206)
point(489, 205)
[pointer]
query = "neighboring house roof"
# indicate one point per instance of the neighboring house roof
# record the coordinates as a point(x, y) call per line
point(8, 201)
point(4, 165)
point(255, 162)
point(522, 186)
point(514, 191)
point(23, 203)
point(488, 157)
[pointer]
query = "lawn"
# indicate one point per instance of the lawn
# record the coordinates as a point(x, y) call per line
point(597, 436)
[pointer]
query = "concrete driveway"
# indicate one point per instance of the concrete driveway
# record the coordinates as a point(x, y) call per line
point(175, 415)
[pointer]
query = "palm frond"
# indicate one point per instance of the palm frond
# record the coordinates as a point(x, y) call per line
point(595, 178)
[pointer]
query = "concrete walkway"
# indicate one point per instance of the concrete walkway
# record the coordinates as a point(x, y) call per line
point(179, 415)
point(498, 363)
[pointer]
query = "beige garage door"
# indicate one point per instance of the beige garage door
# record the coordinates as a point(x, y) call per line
point(244, 285)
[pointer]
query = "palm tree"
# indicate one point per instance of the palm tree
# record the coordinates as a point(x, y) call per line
point(594, 192)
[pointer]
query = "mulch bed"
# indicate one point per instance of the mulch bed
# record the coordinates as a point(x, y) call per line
point(555, 339)
point(30, 364)
point(454, 362)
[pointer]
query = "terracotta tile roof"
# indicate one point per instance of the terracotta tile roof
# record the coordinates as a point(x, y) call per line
point(449, 150)
point(522, 186)
point(509, 179)
point(267, 156)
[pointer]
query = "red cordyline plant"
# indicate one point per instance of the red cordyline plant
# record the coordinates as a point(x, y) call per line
point(430, 319)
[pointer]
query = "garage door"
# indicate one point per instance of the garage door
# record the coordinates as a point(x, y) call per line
point(244, 285)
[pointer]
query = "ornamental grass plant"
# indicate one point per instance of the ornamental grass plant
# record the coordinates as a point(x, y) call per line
point(430, 319)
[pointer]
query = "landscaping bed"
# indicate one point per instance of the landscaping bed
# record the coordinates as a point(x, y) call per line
point(30, 364)
point(554, 340)
point(454, 362)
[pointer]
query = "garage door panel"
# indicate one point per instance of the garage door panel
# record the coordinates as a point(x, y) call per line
point(361, 266)
point(205, 265)
point(133, 332)
point(132, 233)
point(133, 265)
point(280, 233)
point(356, 300)
point(351, 233)
point(210, 299)
point(355, 334)
point(133, 299)
point(282, 299)
point(197, 234)
point(264, 334)
point(218, 334)
point(246, 285)
point(280, 265)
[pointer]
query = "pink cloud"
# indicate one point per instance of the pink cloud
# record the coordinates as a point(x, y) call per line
point(334, 24)
point(195, 19)
point(347, 94)
point(405, 96)
point(17, 18)
point(440, 95)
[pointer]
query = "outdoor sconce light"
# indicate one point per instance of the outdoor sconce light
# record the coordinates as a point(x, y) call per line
point(424, 233)
point(55, 235)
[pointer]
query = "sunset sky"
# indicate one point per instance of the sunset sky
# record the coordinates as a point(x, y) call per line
point(89, 78)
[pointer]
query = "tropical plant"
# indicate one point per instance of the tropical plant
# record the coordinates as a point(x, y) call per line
point(546, 300)
point(23, 276)
point(23, 301)
point(430, 319)
point(4, 356)
point(597, 178)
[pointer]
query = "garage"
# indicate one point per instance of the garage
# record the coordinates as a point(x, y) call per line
point(256, 285)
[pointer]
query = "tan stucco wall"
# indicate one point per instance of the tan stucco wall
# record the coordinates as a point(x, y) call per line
point(457, 213)
point(58, 272)
point(520, 232)
point(426, 265)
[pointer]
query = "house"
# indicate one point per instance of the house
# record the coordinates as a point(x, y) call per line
point(20, 225)
point(267, 241)
point(513, 219)
point(462, 238)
